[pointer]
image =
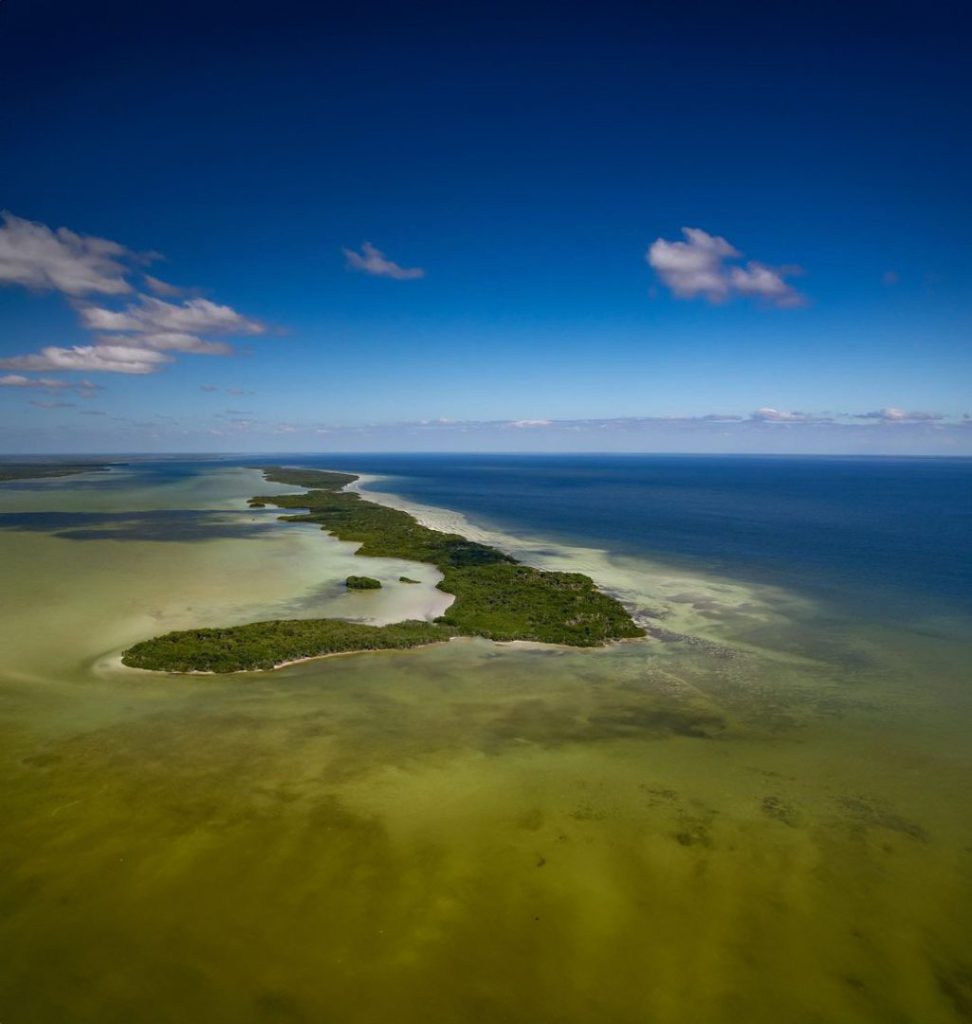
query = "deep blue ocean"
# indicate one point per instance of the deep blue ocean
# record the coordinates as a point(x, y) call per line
point(853, 529)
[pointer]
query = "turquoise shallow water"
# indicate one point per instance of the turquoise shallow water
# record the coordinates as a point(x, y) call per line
point(764, 817)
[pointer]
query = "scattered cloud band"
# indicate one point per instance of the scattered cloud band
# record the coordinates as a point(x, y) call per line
point(139, 338)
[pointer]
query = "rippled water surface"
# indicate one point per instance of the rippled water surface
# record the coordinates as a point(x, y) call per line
point(760, 815)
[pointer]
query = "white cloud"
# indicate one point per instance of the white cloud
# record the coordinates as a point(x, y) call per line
point(155, 316)
point(694, 267)
point(170, 291)
point(530, 424)
point(768, 415)
point(34, 256)
point(97, 358)
point(85, 388)
point(14, 380)
point(97, 319)
point(170, 342)
point(894, 415)
point(132, 340)
point(762, 282)
point(699, 267)
point(373, 261)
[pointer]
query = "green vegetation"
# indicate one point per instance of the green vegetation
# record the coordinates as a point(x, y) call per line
point(406, 579)
point(263, 645)
point(496, 597)
point(381, 531)
point(10, 471)
point(312, 479)
point(362, 583)
point(517, 602)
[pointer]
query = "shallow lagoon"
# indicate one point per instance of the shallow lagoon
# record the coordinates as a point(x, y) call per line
point(769, 822)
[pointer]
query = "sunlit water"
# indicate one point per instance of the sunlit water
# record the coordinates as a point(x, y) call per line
point(767, 822)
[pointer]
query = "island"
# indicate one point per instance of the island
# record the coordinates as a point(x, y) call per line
point(496, 596)
point(362, 583)
point(11, 471)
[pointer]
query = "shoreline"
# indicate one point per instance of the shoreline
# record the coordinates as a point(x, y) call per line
point(114, 663)
point(661, 608)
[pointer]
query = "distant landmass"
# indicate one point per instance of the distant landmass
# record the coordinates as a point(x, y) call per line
point(40, 470)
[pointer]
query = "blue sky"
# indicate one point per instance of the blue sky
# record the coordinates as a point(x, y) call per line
point(525, 181)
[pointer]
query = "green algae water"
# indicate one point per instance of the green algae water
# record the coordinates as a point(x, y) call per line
point(760, 814)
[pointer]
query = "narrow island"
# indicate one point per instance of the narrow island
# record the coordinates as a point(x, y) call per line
point(11, 471)
point(495, 596)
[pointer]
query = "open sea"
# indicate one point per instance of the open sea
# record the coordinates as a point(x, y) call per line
point(760, 813)
point(841, 526)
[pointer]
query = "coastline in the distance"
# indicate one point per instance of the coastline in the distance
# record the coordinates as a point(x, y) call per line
point(14, 471)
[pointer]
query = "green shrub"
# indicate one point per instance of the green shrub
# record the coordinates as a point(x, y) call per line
point(362, 583)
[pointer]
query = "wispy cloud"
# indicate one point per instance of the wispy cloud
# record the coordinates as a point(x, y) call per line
point(769, 415)
point(763, 430)
point(374, 262)
point(169, 341)
point(33, 256)
point(894, 415)
point(808, 432)
point(755, 419)
point(702, 266)
point(85, 388)
point(154, 316)
point(89, 358)
point(138, 338)
point(211, 388)
point(13, 380)
point(170, 291)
